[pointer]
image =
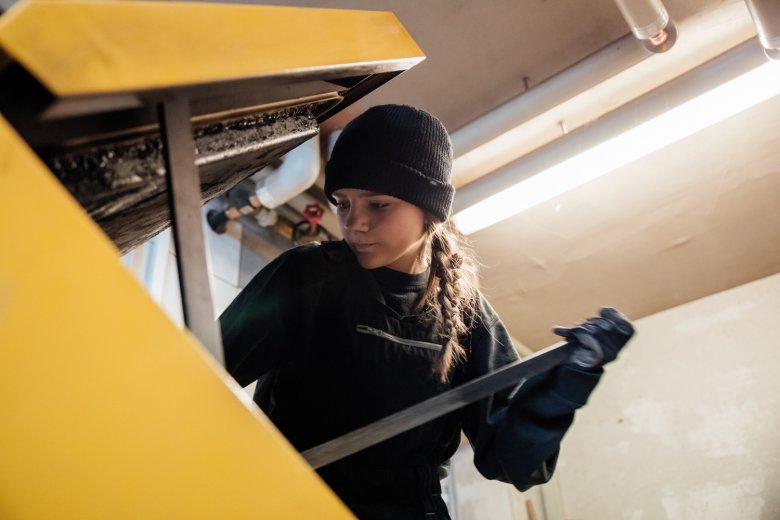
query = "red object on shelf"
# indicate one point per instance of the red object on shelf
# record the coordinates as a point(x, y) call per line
point(313, 214)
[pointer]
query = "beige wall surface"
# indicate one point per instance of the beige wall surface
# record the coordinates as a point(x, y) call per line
point(685, 424)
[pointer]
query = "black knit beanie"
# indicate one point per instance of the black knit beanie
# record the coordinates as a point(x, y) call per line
point(395, 150)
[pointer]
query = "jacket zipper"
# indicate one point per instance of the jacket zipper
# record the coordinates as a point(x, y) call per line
point(371, 331)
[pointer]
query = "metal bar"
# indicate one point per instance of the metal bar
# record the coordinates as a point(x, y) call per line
point(184, 201)
point(430, 409)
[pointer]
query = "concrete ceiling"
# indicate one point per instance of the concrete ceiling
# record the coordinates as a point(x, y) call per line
point(690, 220)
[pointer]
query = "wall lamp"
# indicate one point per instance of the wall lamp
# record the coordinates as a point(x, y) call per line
point(650, 23)
point(766, 17)
point(712, 92)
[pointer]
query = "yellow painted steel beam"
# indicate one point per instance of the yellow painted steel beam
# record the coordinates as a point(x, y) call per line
point(90, 47)
point(107, 409)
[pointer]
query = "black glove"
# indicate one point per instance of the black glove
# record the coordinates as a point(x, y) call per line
point(599, 339)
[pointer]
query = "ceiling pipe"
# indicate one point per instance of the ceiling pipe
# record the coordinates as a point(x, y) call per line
point(724, 68)
point(650, 23)
point(594, 69)
point(596, 85)
point(585, 74)
point(766, 17)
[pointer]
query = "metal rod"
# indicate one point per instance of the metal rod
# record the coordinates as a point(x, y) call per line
point(430, 409)
point(184, 201)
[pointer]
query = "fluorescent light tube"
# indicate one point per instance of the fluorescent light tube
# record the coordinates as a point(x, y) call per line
point(685, 119)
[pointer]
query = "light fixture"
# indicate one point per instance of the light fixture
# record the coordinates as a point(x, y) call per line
point(766, 17)
point(650, 23)
point(733, 82)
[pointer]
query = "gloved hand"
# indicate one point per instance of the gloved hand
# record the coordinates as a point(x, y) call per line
point(599, 339)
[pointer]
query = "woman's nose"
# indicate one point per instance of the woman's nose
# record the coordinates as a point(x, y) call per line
point(356, 220)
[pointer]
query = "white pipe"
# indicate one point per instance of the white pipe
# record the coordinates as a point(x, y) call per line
point(766, 16)
point(544, 113)
point(299, 169)
point(646, 18)
point(594, 69)
point(610, 138)
point(721, 29)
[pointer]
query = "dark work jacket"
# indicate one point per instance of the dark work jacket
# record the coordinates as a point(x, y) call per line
point(331, 357)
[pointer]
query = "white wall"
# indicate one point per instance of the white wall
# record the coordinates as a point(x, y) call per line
point(476, 498)
point(154, 264)
point(684, 426)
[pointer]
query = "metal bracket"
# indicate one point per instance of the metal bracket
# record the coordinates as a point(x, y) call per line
point(184, 201)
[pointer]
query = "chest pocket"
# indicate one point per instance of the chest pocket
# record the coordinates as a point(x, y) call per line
point(385, 361)
point(379, 333)
point(395, 358)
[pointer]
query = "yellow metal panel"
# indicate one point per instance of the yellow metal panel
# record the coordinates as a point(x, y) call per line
point(88, 47)
point(107, 410)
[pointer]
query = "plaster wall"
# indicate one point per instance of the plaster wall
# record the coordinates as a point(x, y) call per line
point(684, 425)
point(154, 264)
point(473, 497)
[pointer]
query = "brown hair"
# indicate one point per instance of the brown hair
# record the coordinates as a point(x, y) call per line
point(451, 294)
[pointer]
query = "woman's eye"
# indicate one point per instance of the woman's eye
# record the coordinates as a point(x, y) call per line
point(342, 205)
point(380, 205)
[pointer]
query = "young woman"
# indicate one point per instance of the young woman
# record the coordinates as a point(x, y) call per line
point(344, 333)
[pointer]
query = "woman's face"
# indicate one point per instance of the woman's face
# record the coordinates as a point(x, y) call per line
point(381, 230)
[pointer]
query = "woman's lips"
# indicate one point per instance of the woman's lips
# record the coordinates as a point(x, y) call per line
point(363, 246)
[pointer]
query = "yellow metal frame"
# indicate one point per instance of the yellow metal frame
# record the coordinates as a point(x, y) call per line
point(97, 47)
point(107, 409)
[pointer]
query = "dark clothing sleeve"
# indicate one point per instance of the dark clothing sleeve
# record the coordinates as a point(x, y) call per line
point(516, 434)
point(255, 334)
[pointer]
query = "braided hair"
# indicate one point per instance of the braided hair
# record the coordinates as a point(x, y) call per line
point(451, 294)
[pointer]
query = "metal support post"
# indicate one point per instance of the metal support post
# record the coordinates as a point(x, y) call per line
point(184, 201)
